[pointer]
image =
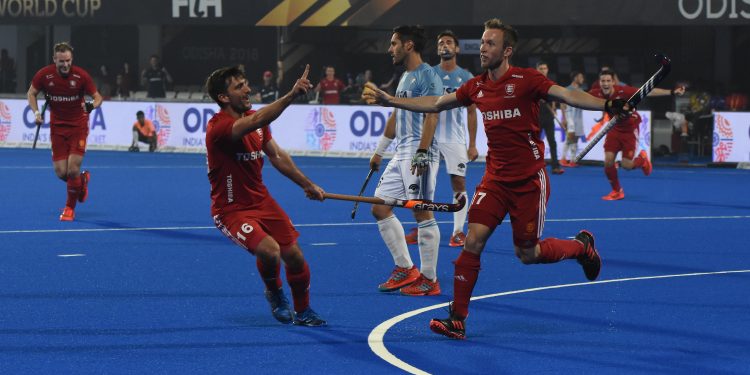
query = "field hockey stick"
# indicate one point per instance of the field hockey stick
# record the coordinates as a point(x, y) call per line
point(39, 126)
point(666, 67)
point(413, 204)
point(362, 190)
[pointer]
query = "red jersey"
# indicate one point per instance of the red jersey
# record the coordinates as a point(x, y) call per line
point(330, 90)
point(66, 94)
point(234, 167)
point(510, 112)
point(621, 92)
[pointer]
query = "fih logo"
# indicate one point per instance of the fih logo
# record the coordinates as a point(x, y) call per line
point(197, 8)
point(321, 129)
point(159, 115)
point(5, 119)
point(723, 139)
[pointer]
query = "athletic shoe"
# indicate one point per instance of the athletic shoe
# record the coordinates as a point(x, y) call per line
point(422, 287)
point(309, 318)
point(400, 277)
point(572, 165)
point(614, 195)
point(558, 170)
point(68, 214)
point(590, 261)
point(279, 306)
point(457, 240)
point(413, 237)
point(452, 327)
point(647, 166)
point(85, 178)
point(564, 162)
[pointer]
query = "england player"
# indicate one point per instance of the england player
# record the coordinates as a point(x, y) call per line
point(411, 174)
point(450, 133)
point(515, 181)
point(237, 140)
point(66, 85)
point(623, 137)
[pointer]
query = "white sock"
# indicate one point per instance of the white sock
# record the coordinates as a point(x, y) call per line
point(393, 235)
point(459, 217)
point(135, 138)
point(574, 149)
point(566, 147)
point(429, 241)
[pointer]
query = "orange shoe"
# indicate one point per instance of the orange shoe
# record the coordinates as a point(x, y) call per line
point(558, 170)
point(647, 166)
point(614, 195)
point(564, 162)
point(400, 277)
point(68, 214)
point(422, 287)
point(413, 237)
point(85, 177)
point(572, 165)
point(457, 240)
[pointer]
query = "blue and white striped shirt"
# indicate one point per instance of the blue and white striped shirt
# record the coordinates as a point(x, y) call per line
point(422, 81)
point(451, 126)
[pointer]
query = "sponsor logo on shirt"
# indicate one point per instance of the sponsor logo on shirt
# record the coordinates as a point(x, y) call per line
point(249, 156)
point(502, 114)
point(63, 98)
point(516, 76)
point(230, 189)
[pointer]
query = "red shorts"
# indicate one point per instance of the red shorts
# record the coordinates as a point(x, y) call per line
point(525, 200)
point(619, 141)
point(248, 228)
point(68, 140)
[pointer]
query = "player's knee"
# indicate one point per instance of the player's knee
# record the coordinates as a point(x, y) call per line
point(267, 250)
point(380, 212)
point(473, 244)
point(293, 256)
point(526, 255)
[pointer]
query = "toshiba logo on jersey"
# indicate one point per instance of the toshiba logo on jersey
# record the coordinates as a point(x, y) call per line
point(196, 8)
point(249, 156)
point(59, 98)
point(502, 114)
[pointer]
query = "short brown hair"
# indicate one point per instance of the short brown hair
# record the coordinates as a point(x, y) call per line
point(62, 47)
point(510, 35)
point(450, 34)
point(218, 82)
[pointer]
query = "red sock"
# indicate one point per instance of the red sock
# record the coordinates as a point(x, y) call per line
point(270, 275)
point(611, 173)
point(300, 284)
point(74, 188)
point(553, 250)
point(638, 161)
point(465, 277)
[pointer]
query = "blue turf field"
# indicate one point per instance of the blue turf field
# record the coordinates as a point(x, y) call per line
point(157, 289)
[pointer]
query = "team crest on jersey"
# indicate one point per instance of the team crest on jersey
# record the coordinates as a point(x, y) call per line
point(480, 95)
point(414, 188)
point(510, 89)
point(72, 83)
point(51, 84)
point(260, 134)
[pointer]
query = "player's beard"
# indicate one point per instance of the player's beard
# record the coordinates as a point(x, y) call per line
point(447, 55)
point(493, 66)
point(241, 107)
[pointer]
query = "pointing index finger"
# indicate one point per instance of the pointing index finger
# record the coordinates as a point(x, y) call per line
point(307, 71)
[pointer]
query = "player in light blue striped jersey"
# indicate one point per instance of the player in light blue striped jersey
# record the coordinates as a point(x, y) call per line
point(450, 133)
point(411, 174)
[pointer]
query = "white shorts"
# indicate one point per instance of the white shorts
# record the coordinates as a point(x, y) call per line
point(397, 182)
point(455, 156)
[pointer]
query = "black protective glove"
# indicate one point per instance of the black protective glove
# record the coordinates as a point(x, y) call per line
point(89, 106)
point(615, 108)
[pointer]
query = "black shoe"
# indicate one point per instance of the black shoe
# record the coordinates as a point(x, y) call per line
point(590, 261)
point(452, 327)
point(309, 318)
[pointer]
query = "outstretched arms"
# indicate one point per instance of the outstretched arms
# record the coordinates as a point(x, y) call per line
point(425, 104)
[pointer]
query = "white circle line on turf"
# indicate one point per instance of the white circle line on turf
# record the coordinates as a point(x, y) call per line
point(664, 218)
point(375, 339)
point(70, 255)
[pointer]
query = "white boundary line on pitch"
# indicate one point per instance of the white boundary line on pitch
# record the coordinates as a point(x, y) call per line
point(375, 339)
point(348, 224)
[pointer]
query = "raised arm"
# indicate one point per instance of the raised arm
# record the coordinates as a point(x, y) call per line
point(267, 114)
point(576, 98)
point(425, 104)
point(281, 160)
point(679, 91)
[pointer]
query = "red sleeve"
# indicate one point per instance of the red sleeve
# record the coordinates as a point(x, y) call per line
point(540, 84)
point(88, 86)
point(463, 95)
point(629, 91)
point(222, 130)
point(37, 80)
